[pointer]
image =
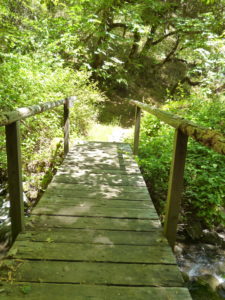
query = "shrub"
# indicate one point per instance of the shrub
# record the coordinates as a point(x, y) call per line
point(30, 79)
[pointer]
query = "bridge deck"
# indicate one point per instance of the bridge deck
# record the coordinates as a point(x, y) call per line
point(94, 235)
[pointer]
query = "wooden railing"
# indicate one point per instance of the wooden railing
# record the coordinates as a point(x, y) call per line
point(11, 121)
point(183, 129)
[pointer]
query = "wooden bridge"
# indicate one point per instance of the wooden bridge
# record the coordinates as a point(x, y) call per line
point(95, 233)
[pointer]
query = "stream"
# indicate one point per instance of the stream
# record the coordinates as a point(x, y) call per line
point(203, 269)
point(4, 208)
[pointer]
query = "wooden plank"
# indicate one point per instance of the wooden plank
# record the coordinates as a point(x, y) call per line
point(115, 166)
point(101, 152)
point(100, 172)
point(90, 192)
point(137, 129)
point(100, 144)
point(93, 252)
point(95, 273)
point(98, 179)
point(88, 211)
point(90, 169)
point(97, 154)
point(84, 174)
point(93, 236)
point(15, 178)
point(45, 221)
point(45, 291)
point(100, 157)
point(106, 163)
point(97, 194)
point(175, 186)
point(83, 202)
point(107, 191)
point(115, 203)
point(113, 154)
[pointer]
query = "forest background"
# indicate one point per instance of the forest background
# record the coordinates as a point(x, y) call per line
point(168, 53)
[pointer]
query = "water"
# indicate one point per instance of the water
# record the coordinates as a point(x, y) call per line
point(4, 220)
point(203, 267)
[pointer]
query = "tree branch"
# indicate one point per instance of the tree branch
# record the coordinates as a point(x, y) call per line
point(171, 53)
point(164, 37)
point(116, 25)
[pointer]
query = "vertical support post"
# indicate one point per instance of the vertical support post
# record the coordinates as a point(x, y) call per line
point(175, 188)
point(66, 125)
point(137, 129)
point(15, 178)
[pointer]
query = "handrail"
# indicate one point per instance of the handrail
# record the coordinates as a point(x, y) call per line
point(9, 117)
point(208, 137)
point(11, 121)
point(183, 129)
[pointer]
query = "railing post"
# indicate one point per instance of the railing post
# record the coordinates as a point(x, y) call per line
point(66, 125)
point(15, 178)
point(137, 129)
point(175, 188)
point(67, 105)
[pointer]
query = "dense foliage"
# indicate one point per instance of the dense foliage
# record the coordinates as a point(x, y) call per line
point(30, 79)
point(152, 44)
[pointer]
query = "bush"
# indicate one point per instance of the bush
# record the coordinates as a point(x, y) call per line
point(31, 79)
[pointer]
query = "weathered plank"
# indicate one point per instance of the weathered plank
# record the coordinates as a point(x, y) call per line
point(88, 211)
point(90, 169)
point(93, 252)
point(98, 145)
point(83, 202)
point(44, 291)
point(97, 179)
point(101, 188)
point(96, 273)
point(93, 236)
point(45, 221)
point(94, 194)
point(112, 165)
point(101, 153)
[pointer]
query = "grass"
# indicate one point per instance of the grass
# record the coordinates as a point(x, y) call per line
point(108, 133)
